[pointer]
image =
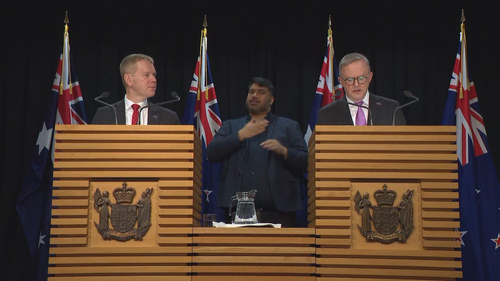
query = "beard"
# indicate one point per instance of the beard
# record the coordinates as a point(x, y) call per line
point(258, 109)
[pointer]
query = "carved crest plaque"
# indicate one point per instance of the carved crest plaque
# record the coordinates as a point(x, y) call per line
point(129, 221)
point(386, 217)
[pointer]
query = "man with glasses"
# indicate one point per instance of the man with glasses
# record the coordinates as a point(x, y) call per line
point(355, 77)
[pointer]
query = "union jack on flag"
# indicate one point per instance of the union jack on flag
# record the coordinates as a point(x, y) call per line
point(206, 113)
point(327, 84)
point(35, 198)
point(202, 111)
point(70, 108)
point(479, 188)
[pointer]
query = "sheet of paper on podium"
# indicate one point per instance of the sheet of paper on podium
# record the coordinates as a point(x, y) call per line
point(224, 225)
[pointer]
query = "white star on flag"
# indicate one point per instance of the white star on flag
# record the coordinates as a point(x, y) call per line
point(207, 192)
point(40, 240)
point(44, 138)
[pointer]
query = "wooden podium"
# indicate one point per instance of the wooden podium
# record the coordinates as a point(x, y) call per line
point(344, 160)
point(165, 159)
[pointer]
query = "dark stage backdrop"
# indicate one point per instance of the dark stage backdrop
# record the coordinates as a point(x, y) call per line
point(411, 46)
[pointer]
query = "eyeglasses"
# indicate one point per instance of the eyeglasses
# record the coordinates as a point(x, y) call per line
point(361, 79)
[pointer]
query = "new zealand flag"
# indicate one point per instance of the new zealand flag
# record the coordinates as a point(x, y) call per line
point(328, 84)
point(479, 187)
point(202, 111)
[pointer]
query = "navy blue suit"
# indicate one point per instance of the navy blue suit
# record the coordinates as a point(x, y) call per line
point(156, 115)
point(282, 174)
point(338, 113)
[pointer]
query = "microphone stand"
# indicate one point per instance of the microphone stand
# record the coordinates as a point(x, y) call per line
point(173, 94)
point(103, 96)
point(409, 95)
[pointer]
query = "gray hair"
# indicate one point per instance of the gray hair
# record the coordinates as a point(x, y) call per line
point(352, 57)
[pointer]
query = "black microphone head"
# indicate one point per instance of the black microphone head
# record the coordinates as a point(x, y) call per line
point(338, 94)
point(408, 94)
point(175, 95)
point(103, 95)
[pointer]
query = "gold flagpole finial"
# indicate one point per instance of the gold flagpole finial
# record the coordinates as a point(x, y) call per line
point(66, 19)
point(463, 16)
point(329, 21)
point(205, 25)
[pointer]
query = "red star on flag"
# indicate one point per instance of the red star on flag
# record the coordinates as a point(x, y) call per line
point(462, 233)
point(497, 241)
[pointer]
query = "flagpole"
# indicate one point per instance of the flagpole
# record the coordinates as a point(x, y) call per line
point(330, 43)
point(205, 47)
point(463, 64)
point(201, 60)
point(65, 53)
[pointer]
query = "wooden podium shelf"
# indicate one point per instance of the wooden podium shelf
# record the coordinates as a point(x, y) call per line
point(265, 254)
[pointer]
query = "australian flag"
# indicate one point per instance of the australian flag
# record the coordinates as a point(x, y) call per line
point(327, 85)
point(202, 111)
point(479, 187)
point(35, 198)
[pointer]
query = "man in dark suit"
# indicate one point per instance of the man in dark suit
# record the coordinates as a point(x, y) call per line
point(355, 77)
point(139, 78)
point(261, 151)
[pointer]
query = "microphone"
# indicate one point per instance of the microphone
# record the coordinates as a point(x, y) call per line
point(339, 93)
point(103, 96)
point(173, 94)
point(408, 94)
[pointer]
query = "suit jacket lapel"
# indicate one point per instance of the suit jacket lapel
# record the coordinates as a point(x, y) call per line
point(344, 112)
point(120, 112)
point(153, 116)
point(272, 123)
point(375, 108)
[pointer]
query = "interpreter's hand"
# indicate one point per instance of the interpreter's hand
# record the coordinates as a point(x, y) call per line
point(252, 128)
point(275, 145)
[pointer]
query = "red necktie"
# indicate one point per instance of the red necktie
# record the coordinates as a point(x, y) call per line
point(135, 115)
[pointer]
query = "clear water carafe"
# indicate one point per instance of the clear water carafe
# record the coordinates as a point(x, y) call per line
point(245, 208)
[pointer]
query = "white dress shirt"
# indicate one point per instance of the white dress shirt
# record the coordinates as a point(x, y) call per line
point(129, 111)
point(354, 109)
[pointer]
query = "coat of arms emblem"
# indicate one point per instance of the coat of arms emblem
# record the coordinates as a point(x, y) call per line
point(124, 215)
point(386, 217)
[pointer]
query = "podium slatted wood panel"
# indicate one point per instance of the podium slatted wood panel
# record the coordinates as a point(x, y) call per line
point(164, 158)
point(347, 159)
point(250, 253)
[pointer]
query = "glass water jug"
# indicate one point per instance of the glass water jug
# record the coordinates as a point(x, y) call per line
point(245, 208)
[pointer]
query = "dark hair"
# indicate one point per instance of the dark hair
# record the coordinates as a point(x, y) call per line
point(263, 82)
